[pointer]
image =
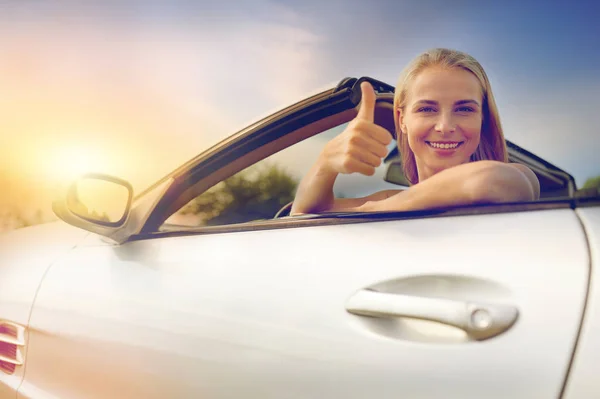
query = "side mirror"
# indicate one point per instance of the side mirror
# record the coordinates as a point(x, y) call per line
point(100, 199)
point(104, 205)
point(395, 174)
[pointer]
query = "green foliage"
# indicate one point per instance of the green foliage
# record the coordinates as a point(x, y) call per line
point(255, 193)
point(593, 182)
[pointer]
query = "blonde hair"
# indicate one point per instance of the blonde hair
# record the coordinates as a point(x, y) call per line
point(492, 145)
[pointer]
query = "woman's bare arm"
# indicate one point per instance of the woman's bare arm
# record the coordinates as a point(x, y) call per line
point(535, 183)
point(315, 194)
point(475, 182)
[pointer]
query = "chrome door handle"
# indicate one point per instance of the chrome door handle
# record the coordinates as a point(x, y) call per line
point(479, 320)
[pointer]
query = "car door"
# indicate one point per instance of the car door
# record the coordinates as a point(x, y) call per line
point(319, 307)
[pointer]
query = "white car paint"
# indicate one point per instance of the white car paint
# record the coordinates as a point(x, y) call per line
point(583, 381)
point(25, 256)
point(262, 314)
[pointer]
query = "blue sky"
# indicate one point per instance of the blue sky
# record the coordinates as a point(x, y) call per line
point(149, 84)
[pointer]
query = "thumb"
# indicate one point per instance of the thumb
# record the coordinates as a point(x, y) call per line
point(367, 102)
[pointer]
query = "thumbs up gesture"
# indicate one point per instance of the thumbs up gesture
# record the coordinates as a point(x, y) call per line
point(362, 145)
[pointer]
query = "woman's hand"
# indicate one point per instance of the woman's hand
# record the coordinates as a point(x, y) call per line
point(362, 145)
point(358, 149)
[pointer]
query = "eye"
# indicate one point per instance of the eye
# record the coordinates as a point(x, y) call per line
point(426, 109)
point(465, 109)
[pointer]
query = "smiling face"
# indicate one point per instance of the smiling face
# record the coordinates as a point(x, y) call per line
point(442, 118)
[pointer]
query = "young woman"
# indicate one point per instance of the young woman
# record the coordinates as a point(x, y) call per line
point(449, 135)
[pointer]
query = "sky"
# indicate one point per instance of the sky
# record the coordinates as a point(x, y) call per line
point(135, 88)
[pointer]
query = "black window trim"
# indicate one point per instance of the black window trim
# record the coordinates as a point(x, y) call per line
point(341, 218)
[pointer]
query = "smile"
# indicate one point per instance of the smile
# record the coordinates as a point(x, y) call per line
point(450, 145)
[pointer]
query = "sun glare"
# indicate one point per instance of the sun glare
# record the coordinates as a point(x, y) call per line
point(67, 162)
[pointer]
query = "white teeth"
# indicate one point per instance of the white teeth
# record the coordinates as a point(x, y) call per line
point(443, 145)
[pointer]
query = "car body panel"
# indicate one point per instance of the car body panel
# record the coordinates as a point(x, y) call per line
point(262, 314)
point(583, 381)
point(261, 309)
point(25, 255)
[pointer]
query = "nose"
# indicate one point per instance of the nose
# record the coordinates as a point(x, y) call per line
point(445, 124)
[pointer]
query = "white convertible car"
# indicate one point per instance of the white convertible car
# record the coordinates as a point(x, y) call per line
point(204, 287)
